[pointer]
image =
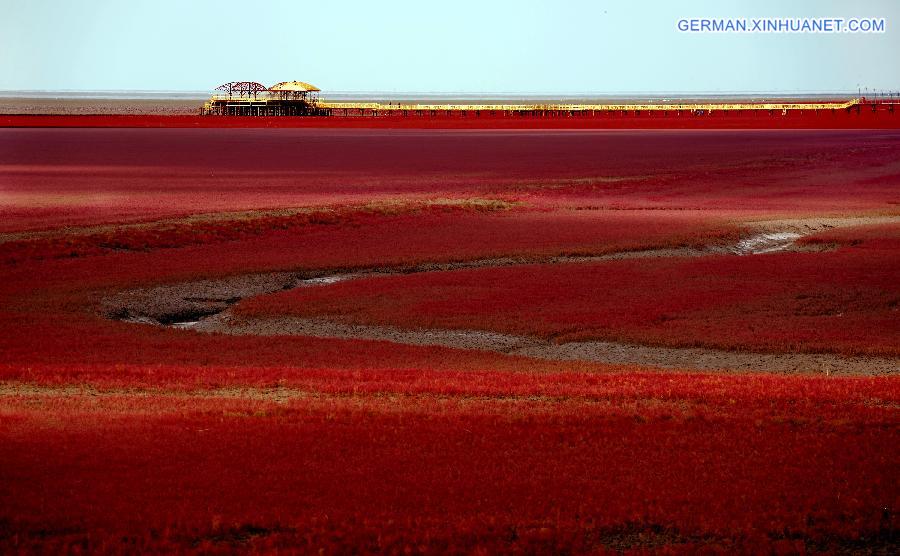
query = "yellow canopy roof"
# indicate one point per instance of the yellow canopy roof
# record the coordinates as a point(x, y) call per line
point(299, 86)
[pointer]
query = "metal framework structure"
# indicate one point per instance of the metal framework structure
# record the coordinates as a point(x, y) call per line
point(243, 88)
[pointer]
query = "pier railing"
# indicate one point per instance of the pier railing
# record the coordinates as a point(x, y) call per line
point(264, 105)
point(589, 107)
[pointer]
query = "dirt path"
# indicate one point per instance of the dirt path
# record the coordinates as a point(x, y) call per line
point(204, 306)
point(613, 353)
point(807, 226)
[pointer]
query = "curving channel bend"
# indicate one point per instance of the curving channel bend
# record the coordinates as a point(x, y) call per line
point(205, 306)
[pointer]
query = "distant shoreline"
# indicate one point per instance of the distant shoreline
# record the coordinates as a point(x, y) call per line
point(99, 107)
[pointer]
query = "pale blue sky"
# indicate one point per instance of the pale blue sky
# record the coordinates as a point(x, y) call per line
point(450, 46)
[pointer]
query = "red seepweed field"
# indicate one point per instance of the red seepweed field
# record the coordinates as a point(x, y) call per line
point(449, 340)
point(868, 115)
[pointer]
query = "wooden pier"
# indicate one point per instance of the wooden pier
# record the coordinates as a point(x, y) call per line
point(296, 98)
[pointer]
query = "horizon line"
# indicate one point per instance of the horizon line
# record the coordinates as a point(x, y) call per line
point(436, 92)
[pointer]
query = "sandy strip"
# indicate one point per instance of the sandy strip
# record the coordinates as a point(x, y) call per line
point(385, 208)
point(612, 353)
point(807, 226)
point(94, 398)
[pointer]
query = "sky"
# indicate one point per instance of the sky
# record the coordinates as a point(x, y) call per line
point(476, 46)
